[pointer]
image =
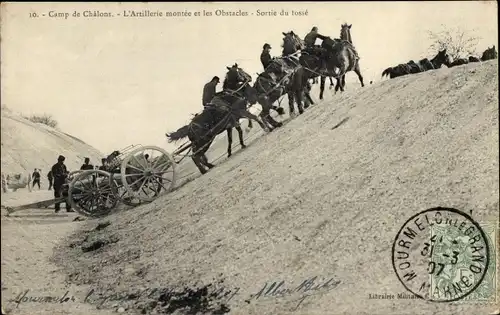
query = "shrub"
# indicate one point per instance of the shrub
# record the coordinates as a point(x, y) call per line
point(45, 119)
point(458, 42)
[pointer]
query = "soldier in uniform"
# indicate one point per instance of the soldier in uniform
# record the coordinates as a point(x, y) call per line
point(310, 41)
point(265, 56)
point(86, 165)
point(209, 91)
point(103, 166)
point(60, 173)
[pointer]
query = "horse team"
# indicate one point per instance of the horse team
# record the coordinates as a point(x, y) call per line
point(289, 74)
point(441, 58)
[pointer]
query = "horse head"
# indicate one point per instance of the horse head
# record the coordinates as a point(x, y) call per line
point(345, 32)
point(235, 77)
point(441, 58)
point(291, 43)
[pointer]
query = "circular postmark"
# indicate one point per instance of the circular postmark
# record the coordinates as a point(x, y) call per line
point(440, 255)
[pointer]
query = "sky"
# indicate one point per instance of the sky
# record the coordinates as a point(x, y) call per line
point(116, 81)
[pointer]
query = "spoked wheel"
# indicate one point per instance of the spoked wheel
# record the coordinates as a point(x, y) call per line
point(122, 193)
point(148, 172)
point(93, 193)
point(127, 198)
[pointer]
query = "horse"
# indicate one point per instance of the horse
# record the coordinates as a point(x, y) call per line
point(490, 53)
point(228, 106)
point(291, 76)
point(338, 54)
point(345, 34)
point(423, 65)
point(474, 59)
point(459, 62)
point(414, 67)
point(309, 60)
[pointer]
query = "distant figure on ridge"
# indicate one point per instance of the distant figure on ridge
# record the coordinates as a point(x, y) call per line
point(36, 179)
point(50, 178)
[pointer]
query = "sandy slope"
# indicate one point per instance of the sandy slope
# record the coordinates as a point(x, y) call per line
point(27, 145)
point(324, 196)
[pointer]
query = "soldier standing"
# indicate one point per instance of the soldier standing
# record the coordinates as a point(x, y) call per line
point(60, 173)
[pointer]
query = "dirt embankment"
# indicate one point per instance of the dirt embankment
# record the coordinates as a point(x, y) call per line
point(316, 204)
point(27, 145)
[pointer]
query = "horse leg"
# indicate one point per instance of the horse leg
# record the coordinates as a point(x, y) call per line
point(331, 82)
point(265, 114)
point(246, 114)
point(298, 100)
point(339, 82)
point(306, 88)
point(205, 161)
point(309, 98)
point(290, 104)
point(306, 99)
point(229, 140)
point(279, 110)
point(196, 157)
point(240, 134)
point(322, 87)
point(203, 156)
point(341, 77)
point(250, 125)
point(358, 72)
point(267, 118)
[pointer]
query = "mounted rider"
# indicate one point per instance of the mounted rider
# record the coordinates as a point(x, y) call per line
point(265, 56)
point(209, 91)
point(317, 50)
point(280, 69)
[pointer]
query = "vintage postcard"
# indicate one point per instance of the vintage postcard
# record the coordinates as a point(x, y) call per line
point(250, 158)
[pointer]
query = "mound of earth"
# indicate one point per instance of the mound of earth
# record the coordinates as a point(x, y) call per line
point(27, 145)
point(303, 220)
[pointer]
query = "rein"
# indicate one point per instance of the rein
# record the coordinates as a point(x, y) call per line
point(317, 73)
point(225, 120)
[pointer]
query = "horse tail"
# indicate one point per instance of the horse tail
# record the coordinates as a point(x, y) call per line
point(386, 72)
point(182, 132)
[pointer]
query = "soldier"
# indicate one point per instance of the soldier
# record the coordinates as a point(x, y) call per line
point(103, 167)
point(60, 173)
point(209, 91)
point(311, 37)
point(36, 179)
point(310, 41)
point(265, 56)
point(86, 165)
point(50, 178)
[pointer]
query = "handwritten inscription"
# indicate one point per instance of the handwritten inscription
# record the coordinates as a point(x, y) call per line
point(23, 297)
point(171, 297)
point(307, 288)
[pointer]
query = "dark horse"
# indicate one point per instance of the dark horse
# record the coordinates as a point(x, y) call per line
point(285, 75)
point(459, 62)
point(490, 53)
point(345, 34)
point(310, 60)
point(415, 67)
point(229, 106)
point(336, 54)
